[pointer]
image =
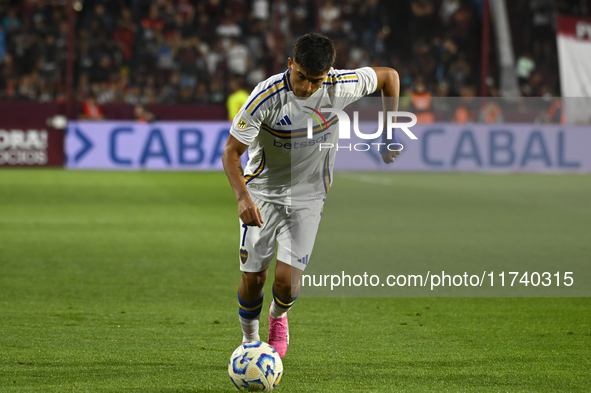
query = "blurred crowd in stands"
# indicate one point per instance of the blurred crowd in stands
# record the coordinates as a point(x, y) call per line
point(201, 51)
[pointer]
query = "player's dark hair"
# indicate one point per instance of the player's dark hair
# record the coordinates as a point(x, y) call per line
point(315, 53)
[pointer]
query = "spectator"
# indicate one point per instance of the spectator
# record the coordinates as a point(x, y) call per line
point(525, 67)
point(11, 22)
point(214, 58)
point(2, 44)
point(132, 96)
point(329, 15)
point(442, 102)
point(83, 89)
point(445, 52)
point(256, 75)
point(91, 110)
point(46, 92)
point(168, 14)
point(10, 91)
point(238, 98)
point(447, 9)
point(99, 17)
point(466, 112)
point(142, 115)
point(85, 59)
point(460, 27)
point(152, 22)
point(491, 112)
point(369, 16)
point(170, 91)
point(421, 101)
point(205, 28)
point(124, 36)
point(186, 94)
point(201, 94)
point(260, 10)
point(27, 88)
point(216, 95)
point(237, 55)
point(424, 15)
point(228, 27)
point(541, 28)
point(185, 9)
point(255, 40)
point(166, 53)
point(103, 69)
point(583, 8)
point(535, 85)
point(459, 72)
point(8, 68)
point(555, 114)
point(179, 25)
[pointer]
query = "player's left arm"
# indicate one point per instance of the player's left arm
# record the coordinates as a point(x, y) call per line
point(389, 84)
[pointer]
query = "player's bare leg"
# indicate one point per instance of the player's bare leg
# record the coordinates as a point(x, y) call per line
point(286, 288)
point(251, 285)
point(287, 281)
point(250, 300)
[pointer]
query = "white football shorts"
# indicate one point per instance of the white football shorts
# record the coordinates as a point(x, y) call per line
point(289, 230)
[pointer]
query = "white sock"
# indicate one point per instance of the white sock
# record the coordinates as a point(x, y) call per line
point(250, 329)
point(277, 312)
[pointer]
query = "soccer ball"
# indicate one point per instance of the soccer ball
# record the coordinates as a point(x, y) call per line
point(255, 366)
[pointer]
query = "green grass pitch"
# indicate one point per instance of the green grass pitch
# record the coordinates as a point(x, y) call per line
point(116, 282)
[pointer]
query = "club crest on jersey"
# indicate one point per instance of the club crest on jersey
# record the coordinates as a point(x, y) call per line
point(242, 123)
point(243, 256)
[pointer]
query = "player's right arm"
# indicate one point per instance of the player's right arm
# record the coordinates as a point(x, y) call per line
point(247, 210)
point(245, 128)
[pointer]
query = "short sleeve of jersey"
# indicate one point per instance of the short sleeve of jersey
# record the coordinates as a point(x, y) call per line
point(246, 126)
point(247, 123)
point(353, 84)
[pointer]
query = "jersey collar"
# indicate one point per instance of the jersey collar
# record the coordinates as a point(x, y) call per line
point(286, 80)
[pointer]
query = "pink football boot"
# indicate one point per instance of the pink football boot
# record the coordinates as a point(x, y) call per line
point(278, 334)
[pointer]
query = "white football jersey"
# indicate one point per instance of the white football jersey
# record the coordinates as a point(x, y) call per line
point(284, 165)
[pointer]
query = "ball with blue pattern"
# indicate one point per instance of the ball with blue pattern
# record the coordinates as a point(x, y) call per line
point(255, 366)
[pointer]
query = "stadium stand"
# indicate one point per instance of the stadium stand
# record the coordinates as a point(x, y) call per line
point(188, 51)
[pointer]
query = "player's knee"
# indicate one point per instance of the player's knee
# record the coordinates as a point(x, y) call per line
point(285, 289)
point(254, 279)
point(286, 279)
point(283, 284)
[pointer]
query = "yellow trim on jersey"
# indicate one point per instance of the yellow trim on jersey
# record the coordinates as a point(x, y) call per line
point(336, 79)
point(258, 171)
point(288, 81)
point(327, 173)
point(254, 104)
point(304, 132)
point(342, 77)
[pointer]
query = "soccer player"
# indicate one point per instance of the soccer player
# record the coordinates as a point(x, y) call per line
point(281, 193)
